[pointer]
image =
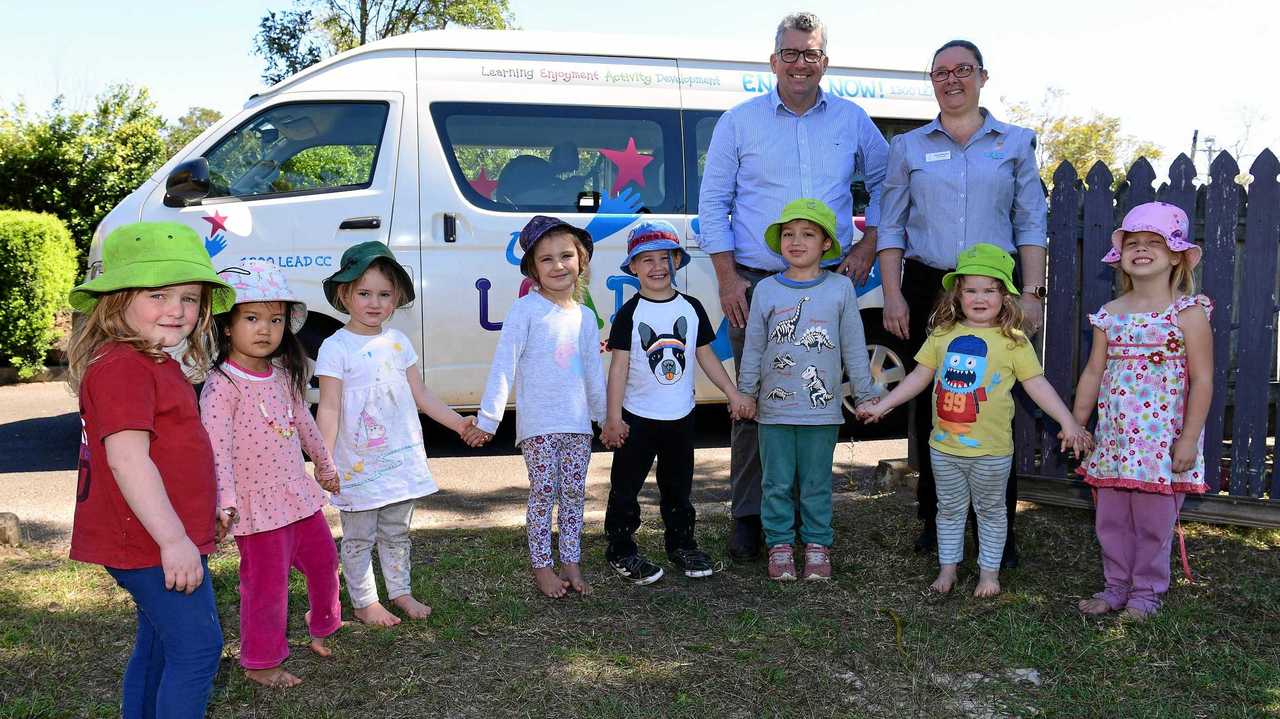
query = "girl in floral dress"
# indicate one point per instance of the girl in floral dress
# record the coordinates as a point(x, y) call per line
point(1150, 375)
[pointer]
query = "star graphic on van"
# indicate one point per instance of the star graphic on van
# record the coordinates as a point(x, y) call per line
point(218, 222)
point(483, 184)
point(630, 165)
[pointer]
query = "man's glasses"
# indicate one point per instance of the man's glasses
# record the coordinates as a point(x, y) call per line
point(960, 71)
point(810, 56)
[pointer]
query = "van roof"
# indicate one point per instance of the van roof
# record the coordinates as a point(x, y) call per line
point(600, 44)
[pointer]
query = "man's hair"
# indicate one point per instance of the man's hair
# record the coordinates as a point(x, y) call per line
point(804, 22)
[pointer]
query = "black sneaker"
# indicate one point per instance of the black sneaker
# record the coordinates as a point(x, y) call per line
point(636, 569)
point(694, 562)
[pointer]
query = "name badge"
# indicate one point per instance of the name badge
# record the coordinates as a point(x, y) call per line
point(937, 156)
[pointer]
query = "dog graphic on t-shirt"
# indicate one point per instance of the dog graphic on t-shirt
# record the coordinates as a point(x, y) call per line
point(665, 352)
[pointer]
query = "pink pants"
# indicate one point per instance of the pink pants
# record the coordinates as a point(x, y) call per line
point(265, 559)
point(1135, 530)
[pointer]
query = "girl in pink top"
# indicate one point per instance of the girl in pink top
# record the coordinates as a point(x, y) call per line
point(254, 410)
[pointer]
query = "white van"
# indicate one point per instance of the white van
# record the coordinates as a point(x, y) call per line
point(443, 144)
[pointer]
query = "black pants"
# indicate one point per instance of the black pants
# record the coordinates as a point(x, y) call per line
point(921, 287)
point(671, 441)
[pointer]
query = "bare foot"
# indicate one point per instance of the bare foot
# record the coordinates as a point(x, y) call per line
point(412, 607)
point(320, 647)
point(1133, 615)
point(946, 579)
point(572, 574)
point(549, 583)
point(1093, 606)
point(275, 677)
point(377, 615)
point(988, 583)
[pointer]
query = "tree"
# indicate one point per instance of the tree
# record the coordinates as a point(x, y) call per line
point(78, 165)
point(189, 126)
point(294, 39)
point(1079, 140)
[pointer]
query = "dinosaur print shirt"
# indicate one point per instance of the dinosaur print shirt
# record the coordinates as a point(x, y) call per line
point(975, 368)
point(803, 338)
point(661, 338)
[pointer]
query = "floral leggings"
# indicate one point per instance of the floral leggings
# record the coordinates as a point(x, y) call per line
point(557, 468)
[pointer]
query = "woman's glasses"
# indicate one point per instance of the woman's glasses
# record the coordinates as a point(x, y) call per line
point(960, 71)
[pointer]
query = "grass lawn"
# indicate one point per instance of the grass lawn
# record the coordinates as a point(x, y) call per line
point(870, 643)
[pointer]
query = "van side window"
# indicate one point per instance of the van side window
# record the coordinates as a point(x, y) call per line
point(699, 124)
point(544, 158)
point(298, 148)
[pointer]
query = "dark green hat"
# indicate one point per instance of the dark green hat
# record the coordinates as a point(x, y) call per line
point(815, 211)
point(985, 260)
point(354, 263)
point(152, 254)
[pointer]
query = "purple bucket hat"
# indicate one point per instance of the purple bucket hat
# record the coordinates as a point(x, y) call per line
point(1168, 221)
point(259, 281)
point(540, 225)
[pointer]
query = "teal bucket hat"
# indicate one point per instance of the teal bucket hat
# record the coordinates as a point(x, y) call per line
point(355, 261)
point(815, 211)
point(152, 254)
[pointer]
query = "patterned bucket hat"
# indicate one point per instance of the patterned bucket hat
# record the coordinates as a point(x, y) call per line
point(1168, 221)
point(259, 281)
point(650, 236)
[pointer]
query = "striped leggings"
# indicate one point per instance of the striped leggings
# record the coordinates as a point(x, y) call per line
point(960, 480)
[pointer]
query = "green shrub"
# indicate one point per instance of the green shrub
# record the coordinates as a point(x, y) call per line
point(37, 270)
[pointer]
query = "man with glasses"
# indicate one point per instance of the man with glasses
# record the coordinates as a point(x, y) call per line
point(794, 142)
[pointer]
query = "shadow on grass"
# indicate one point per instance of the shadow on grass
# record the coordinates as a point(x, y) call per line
point(869, 643)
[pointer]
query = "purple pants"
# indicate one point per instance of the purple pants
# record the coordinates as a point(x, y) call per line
point(265, 560)
point(1135, 530)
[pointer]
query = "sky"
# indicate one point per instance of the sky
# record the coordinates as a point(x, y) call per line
point(1165, 69)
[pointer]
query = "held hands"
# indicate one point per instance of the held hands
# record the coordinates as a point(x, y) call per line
point(470, 433)
point(329, 482)
point(1076, 438)
point(742, 407)
point(872, 411)
point(180, 561)
point(226, 517)
point(614, 433)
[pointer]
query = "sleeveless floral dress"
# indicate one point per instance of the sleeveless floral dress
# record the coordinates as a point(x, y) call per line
point(1143, 401)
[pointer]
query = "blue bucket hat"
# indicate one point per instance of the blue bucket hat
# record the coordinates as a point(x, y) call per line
point(650, 236)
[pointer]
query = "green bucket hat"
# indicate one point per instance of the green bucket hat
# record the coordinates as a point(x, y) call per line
point(355, 261)
point(152, 254)
point(815, 211)
point(985, 260)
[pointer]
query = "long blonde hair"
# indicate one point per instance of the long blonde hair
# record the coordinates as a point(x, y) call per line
point(949, 312)
point(106, 323)
point(1182, 279)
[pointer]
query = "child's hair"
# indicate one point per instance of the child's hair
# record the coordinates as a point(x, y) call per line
point(384, 268)
point(528, 267)
point(1182, 278)
point(290, 355)
point(106, 323)
point(949, 312)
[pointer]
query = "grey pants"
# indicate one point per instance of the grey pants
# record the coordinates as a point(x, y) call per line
point(744, 443)
point(389, 527)
point(958, 481)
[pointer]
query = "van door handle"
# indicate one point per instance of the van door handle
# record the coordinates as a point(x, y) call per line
point(361, 223)
point(450, 227)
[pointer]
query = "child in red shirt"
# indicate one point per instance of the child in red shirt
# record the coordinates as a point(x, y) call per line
point(145, 499)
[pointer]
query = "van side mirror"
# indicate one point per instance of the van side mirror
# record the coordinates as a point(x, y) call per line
point(188, 183)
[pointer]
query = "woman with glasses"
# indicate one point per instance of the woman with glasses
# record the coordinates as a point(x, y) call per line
point(963, 179)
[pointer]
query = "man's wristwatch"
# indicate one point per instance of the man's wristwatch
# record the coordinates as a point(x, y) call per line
point(1038, 291)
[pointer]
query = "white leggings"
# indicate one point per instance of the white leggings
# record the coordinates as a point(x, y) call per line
point(960, 480)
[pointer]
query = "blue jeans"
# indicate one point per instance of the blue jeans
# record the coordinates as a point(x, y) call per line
point(179, 643)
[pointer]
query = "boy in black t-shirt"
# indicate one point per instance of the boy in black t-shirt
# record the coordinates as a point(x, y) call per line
point(651, 404)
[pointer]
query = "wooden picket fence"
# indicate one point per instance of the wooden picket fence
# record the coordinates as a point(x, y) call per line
point(1239, 228)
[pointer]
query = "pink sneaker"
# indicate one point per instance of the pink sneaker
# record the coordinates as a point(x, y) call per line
point(817, 562)
point(782, 565)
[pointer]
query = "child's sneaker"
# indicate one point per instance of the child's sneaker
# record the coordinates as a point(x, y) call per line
point(636, 569)
point(817, 561)
point(782, 564)
point(694, 562)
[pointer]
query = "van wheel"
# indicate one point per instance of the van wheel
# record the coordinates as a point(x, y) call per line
point(888, 368)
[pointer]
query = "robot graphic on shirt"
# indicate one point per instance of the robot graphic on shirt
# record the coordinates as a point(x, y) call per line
point(959, 389)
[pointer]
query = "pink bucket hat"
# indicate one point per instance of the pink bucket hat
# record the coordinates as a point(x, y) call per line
point(261, 281)
point(1168, 221)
